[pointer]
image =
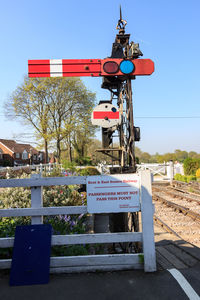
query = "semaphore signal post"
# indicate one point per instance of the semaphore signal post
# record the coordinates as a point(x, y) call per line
point(113, 194)
point(117, 72)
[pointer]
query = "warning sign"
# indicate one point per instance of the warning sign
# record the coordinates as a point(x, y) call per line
point(113, 193)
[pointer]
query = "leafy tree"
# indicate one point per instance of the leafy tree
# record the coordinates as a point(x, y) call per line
point(55, 107)
point(27, 103)
point(70, 106)
point(180, 155)
point(97, 157)
point(138, 152)
point(193, 154)
point(153, 159)
point(145, 157)
point(191, 165)
point(83, 129)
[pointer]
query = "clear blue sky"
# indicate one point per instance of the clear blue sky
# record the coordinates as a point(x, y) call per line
point(167, 31)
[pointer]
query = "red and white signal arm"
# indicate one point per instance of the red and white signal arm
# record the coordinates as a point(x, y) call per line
point(106, 115)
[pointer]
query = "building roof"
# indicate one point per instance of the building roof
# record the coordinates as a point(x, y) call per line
point(18, 148)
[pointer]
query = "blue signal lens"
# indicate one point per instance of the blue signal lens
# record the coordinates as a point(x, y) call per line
point(127, 67)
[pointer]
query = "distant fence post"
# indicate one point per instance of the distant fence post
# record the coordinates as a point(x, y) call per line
point(171, 171)
point(147, 222)
point(7, 172)
point(36, 200)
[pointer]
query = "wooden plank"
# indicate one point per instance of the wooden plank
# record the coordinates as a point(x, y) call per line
point(97, 238)
point(47, 181)
point(60, 270)
point(182, 255)
point(95, 261)
point(171, 258)
point(5, 264)
point(189, 248)
point(43, 211)
point(147, 222)
point(6, 242)
point(163, 262)
point(36, 200)
point(75, 239)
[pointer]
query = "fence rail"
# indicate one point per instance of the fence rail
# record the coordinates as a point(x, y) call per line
point(47, 168)
point(87, 262)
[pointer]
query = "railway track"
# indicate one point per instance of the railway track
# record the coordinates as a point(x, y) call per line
point(178, 212)
point(179, 198)
point(191, 187)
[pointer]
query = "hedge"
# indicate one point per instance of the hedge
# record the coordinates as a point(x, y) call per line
point(191, 165)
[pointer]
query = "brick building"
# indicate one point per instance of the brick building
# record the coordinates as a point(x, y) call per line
point(15, 154)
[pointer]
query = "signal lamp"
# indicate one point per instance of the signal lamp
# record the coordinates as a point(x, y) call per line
point(110, 67)
point(126, 67)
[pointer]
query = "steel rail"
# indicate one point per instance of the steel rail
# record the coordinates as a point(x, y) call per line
point(174, 193)
point(165, 226)
point(195, 186)
point(182, 209)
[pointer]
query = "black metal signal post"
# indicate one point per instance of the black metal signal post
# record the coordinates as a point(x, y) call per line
point(117, 72)
point(120, 87)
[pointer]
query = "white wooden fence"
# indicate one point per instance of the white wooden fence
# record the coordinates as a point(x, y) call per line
point(85, 263)
point(164, 171)
point(47, 168)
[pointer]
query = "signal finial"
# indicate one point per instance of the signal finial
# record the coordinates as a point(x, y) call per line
point(121, 23)
point(120, 12)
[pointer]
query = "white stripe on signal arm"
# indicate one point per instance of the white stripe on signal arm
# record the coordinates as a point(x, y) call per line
point(56, 68)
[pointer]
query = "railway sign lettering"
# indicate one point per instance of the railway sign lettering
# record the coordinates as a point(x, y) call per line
point(113, 193)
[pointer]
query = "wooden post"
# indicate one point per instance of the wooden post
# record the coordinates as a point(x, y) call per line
point(36, 200)
point(147, 222)
point(171, 171)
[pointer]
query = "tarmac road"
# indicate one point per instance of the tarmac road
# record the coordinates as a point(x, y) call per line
point(121, 285)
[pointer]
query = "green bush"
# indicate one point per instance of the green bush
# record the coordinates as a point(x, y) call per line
point(10, 173)
point(15, 198)
point(56, 172)
point(83, 161)
point(88, 171)
point(62, 224)
point(191, 165)
point(191, 178)
point(184, 178)
point(52, 196)
point(69, 166)
point(180, 177)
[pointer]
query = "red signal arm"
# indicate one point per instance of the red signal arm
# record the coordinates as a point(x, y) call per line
point(83, 67)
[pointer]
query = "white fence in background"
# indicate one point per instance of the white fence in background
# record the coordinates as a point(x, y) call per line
point(158, 171)
point(162, 171)
point(146, 260)
point(47, 168)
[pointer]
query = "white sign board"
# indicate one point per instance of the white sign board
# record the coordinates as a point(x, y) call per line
point(113, 193)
